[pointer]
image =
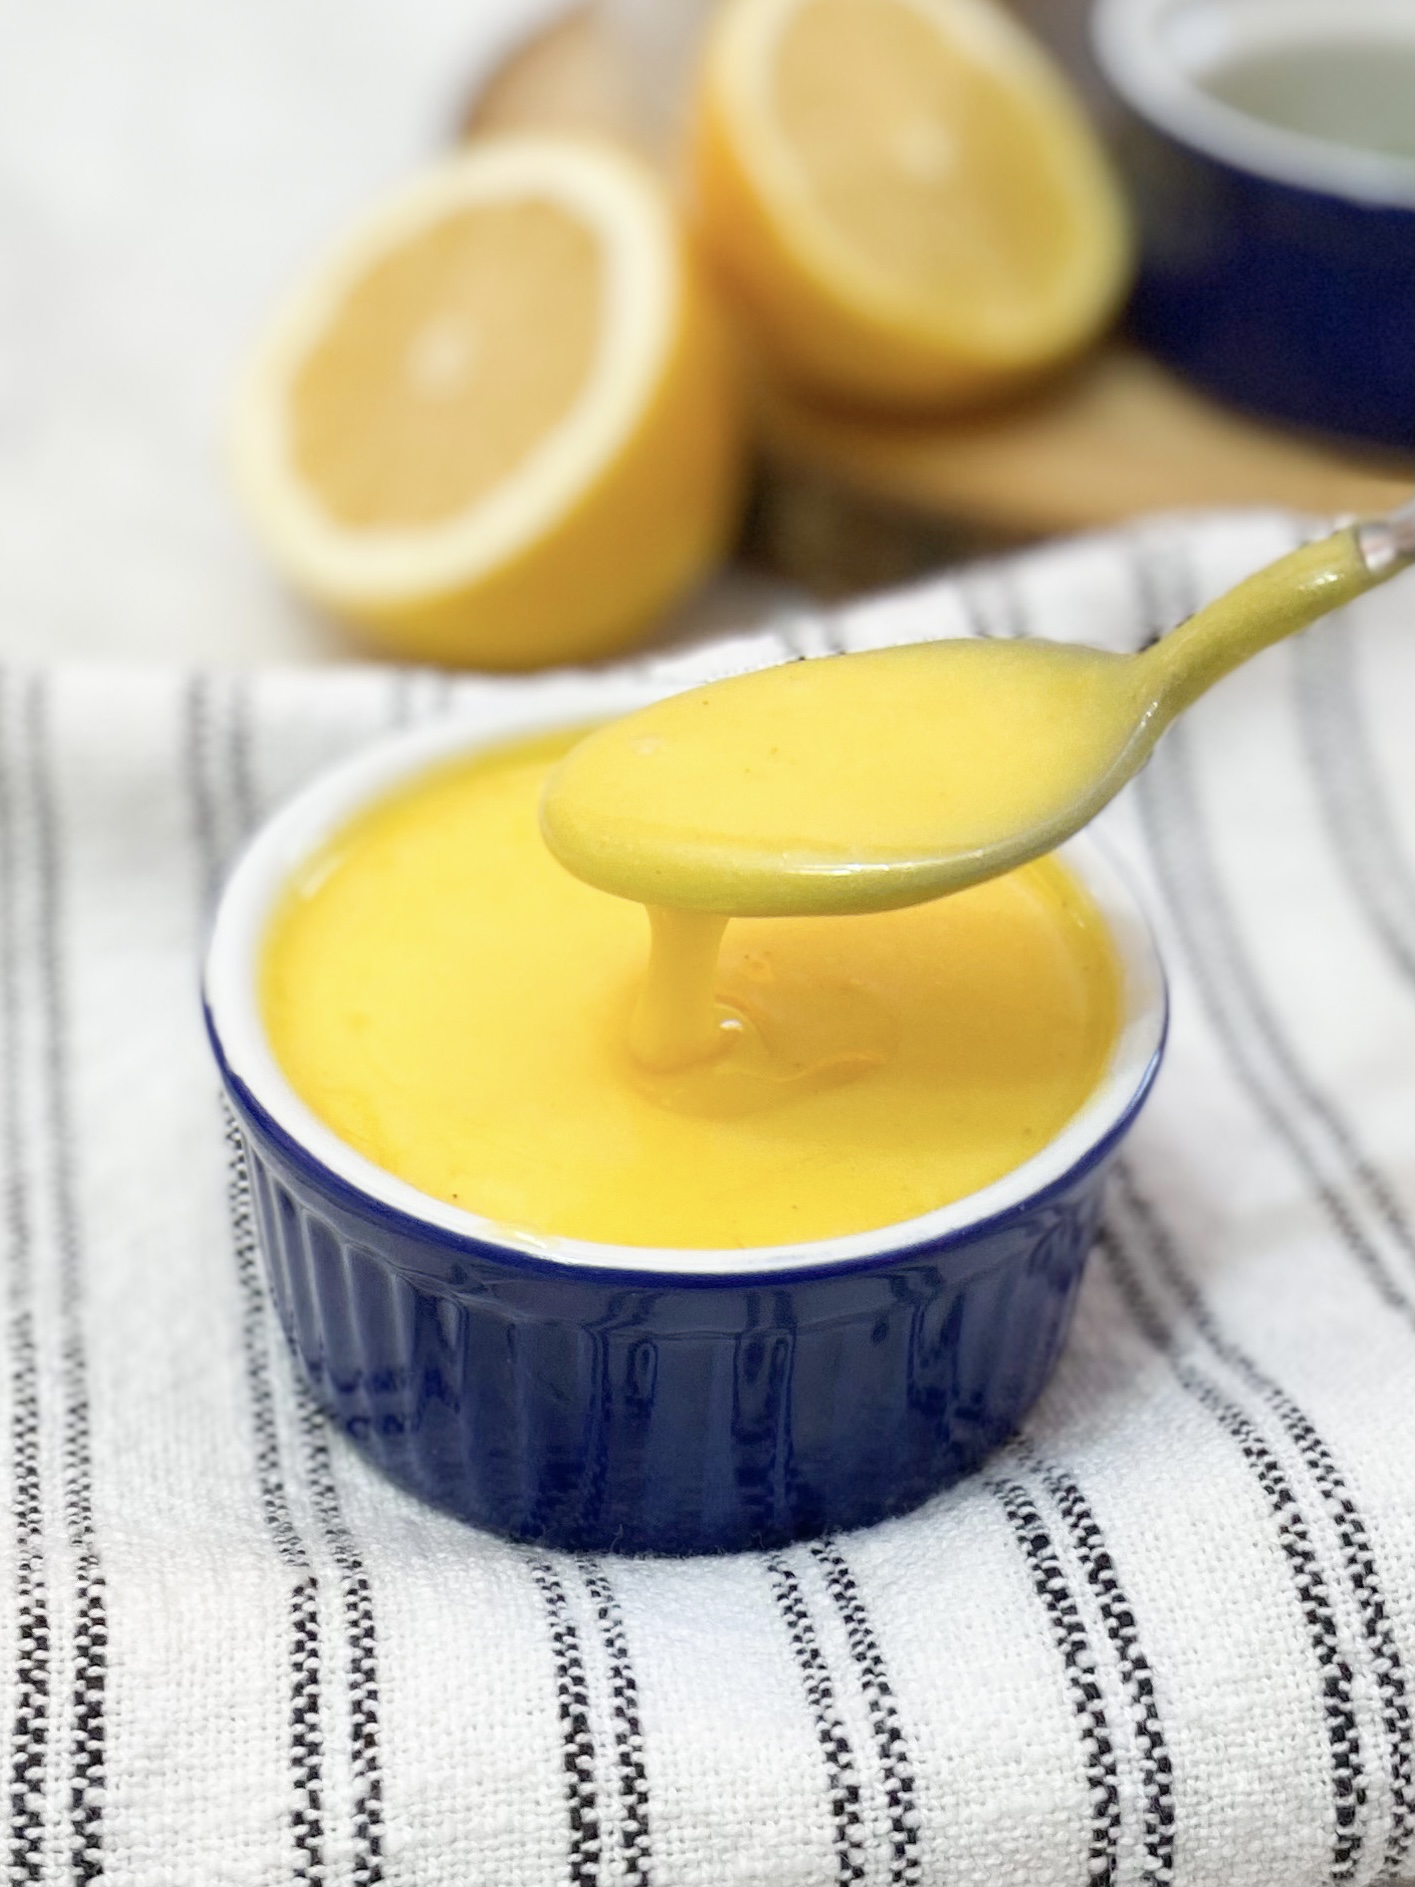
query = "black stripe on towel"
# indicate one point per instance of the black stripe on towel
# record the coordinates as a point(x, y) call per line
point(355, 1589)
point(572, 1701)
point(209, 846)
point(1309, 1582)
point(842, 1782)
point(306, 1751)
point(30, 1726)
point(1358, 1554)
point(1069, 1635)
point(809, 635)
point(1317, 1135)
point(361, 1640)
point(88, 1746)
point(240, 757)
point(635, 1851)
point(415, 696)
point(400, 699)
point(993, 605)
point(1365, 839)
point(306, 1729)
point(891, 1747)
point(1118, 1617)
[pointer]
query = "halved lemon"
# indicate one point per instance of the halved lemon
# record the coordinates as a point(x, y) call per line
point(905, 195)
point(500, 423)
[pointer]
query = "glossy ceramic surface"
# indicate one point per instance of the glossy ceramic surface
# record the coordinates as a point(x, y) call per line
point(623, 1399)
point(1277, 267)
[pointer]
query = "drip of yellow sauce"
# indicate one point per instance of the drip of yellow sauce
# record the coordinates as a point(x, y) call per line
point(474, 1019)
point(676, 1020)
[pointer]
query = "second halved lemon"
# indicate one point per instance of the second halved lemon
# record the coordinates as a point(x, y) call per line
point(499, 424)
point(904, 194)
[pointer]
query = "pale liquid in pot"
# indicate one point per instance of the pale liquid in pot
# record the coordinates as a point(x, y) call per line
point(1358, 93)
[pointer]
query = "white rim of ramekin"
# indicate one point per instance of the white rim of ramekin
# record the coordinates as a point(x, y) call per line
point(301, 827)
point(1135, 43)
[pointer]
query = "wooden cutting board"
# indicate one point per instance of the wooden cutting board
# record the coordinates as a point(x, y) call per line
point(847, 499)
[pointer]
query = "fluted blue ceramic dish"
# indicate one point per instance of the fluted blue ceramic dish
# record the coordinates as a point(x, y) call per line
point(1269, 148)
point(597, 1397)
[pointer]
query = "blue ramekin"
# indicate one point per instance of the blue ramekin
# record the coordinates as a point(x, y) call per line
point(1277, 267)
point(609, 1398)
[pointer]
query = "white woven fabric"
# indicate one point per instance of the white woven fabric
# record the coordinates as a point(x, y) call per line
point(1168, 1636)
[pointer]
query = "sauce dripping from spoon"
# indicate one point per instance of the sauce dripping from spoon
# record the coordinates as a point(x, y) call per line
point(866, 782)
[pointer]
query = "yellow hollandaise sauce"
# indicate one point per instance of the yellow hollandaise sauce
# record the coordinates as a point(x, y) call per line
point(472, 1018)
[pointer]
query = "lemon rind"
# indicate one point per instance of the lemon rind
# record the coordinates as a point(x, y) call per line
point(741, 65)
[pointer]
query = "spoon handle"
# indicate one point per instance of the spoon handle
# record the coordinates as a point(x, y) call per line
point(1277, 601)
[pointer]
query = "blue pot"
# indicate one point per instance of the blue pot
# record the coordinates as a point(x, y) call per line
point(605, 1398)
point(1277, 264)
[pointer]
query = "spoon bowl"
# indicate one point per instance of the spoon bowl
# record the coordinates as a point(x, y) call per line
point(866, 782)
point(986, 754)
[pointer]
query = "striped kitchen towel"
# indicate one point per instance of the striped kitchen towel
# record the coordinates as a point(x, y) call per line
point(1164, 1639)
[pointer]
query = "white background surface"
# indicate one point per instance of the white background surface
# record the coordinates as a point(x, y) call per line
point(165, 168)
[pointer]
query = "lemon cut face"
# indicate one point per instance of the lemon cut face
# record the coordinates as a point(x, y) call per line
point(499, 424)
point(447, 365)
point(905, 195)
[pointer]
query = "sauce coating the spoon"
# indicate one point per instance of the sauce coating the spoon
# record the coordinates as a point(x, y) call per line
point(866, 782)
point(869, 782)
point(847, 783)
point(750, 798)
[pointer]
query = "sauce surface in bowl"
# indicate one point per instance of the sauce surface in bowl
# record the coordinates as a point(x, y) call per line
point(457, 1007)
